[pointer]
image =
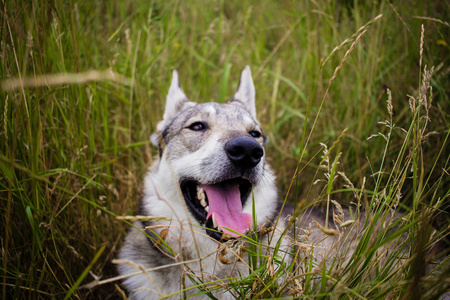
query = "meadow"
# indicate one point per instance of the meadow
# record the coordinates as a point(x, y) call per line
point(353, 95)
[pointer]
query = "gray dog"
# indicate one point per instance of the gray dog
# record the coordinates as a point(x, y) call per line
point(210, 172)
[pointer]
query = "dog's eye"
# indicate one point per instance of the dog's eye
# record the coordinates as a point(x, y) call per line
point(255, 134)
point(197, 126)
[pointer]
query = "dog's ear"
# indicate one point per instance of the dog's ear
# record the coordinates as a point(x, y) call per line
point(176, 101)
point(245, 93)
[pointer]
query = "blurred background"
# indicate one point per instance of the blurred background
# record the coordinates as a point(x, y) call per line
point(74, 146)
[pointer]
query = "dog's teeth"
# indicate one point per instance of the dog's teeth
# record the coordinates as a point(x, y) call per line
point(203, 203)
point(200, 194)
point(214, 221)
point(207, 208)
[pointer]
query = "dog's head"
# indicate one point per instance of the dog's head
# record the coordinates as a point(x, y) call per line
point(216, 151)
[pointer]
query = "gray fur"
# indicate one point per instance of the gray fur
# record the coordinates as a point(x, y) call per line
point(199, 156)
point(153, 270)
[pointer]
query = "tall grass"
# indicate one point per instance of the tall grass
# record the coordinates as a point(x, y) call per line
point(84, 83)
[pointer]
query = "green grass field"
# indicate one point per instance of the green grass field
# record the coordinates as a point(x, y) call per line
point(83, 85)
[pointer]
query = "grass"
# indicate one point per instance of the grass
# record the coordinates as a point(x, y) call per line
point(74, 138)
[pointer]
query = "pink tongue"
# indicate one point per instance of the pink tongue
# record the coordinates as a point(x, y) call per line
point(225, 203)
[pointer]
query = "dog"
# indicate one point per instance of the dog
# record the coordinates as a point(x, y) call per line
point(210, 187)
point(211, 184)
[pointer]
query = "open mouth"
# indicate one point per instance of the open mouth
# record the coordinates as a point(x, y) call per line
point(218, 206)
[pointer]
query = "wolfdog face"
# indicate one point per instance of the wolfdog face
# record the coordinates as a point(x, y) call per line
point(215, 154)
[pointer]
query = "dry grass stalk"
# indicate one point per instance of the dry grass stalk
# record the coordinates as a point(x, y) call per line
point(142, 218)
point(60, 79)
point(352, 38)
point(422, 35)
point(355, 42)
point(433, 20)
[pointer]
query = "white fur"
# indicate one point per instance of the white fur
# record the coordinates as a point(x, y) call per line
point(163, 197)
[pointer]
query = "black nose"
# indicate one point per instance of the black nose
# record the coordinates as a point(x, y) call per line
point(244, 152)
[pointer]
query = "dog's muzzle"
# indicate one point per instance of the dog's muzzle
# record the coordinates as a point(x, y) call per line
point(218, 205)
